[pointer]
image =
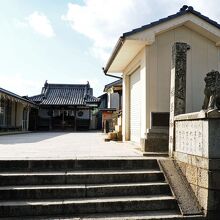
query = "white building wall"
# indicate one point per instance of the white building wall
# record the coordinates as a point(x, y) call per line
point(201, 58)
point(155, 65)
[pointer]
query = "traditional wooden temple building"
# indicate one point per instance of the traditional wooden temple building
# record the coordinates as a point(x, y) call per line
point(64, 107)
point(14, 111)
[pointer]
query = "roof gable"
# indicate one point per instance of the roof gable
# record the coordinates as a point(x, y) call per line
point(183, 11)
point(132, 42)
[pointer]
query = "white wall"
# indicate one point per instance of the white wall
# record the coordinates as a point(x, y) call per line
point(155, 65)
point(201, 58)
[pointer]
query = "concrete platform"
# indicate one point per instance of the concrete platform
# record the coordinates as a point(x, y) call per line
point(63, 145)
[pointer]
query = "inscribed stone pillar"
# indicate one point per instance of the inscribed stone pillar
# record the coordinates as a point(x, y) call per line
point(177, 87)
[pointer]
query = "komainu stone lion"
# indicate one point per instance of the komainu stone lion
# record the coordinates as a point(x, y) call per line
point(212, 91)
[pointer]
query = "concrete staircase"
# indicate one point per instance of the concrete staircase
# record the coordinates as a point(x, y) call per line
point(86, 188)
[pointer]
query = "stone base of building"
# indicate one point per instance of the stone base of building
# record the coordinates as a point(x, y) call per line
point(156, 141)
point(197, 153)
point(203, 176)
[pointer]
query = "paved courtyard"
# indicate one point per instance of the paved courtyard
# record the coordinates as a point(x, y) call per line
point(62, 145)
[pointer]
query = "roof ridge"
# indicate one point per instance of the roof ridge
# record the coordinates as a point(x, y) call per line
point(62, 85)
point(66, 95)
point(184, 10)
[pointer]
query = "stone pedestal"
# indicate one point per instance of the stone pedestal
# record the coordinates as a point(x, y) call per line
point(156, 141)
point(197, 152)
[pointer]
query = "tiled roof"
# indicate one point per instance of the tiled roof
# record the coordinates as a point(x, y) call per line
point(65, 94)
point(6, 92)
point(92, 99)
point(184, 10)
point(37, 98)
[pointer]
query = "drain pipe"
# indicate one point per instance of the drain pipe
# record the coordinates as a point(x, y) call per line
point(114, 54)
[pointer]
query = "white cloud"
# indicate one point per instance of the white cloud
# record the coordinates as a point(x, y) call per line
point(20, 85)
point(40, 24)
point(103, 22)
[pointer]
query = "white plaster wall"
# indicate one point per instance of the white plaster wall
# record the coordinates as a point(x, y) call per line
point(201, 58)
point(155, 65)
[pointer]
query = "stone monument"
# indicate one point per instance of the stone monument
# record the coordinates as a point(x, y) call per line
point(178, 87)
point(197, 147)
point(212, 91)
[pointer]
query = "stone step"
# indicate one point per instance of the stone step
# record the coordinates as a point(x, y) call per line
point(82, 164)
point(82, 191)
point(137, 215)
point(88, 205)
point(155, 154)
point(80, 177)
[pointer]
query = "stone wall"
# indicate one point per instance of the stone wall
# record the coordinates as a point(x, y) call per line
point(197, 152)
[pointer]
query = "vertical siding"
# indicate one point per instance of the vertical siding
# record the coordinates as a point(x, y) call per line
point(139, 62)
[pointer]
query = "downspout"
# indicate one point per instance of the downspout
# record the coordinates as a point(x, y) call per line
point(114, 54)
point(118, 77)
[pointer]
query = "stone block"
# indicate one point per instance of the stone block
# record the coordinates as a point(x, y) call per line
point(203, 178)
point(198, 137)
point(191, 137)
point(192, 174)
point(200, 162)
point(155, 143)
point(181, 157)
point(194, 189)
point(182, 167)
point(202, 195)
point(197, 150)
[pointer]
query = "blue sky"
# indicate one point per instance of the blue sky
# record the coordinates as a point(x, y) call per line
point(69, 41)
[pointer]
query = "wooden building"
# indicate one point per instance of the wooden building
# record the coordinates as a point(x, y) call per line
point(64, 107)
point(14, 111)
point(111, 106)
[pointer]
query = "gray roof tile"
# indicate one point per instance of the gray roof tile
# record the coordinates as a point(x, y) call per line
point(65, 94)
point(184, 10)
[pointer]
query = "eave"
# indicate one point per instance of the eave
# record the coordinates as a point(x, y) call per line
point(131, 43)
